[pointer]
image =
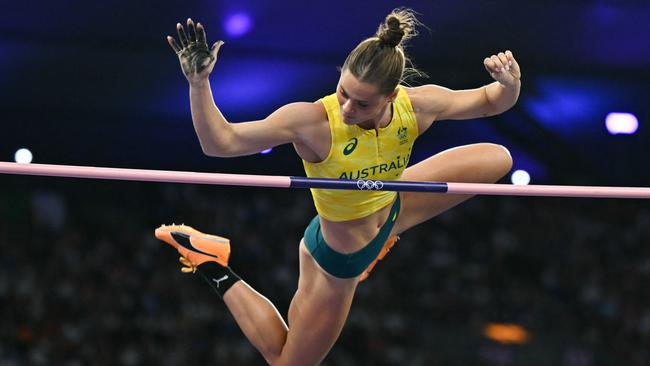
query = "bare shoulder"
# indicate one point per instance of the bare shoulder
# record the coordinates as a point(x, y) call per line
point(315, 141)
point(428, 98)
point(301, 111)
point(428, 103)
point(299, 115)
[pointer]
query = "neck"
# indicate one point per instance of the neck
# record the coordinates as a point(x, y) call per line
point(382, 120)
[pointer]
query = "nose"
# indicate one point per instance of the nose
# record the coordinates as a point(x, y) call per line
point(347, 107)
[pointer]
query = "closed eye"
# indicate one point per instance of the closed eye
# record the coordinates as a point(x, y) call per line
point(361, 104)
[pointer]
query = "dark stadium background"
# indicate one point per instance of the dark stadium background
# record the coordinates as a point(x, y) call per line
point(83, 282)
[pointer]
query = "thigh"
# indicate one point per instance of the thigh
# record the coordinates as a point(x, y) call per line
point(477, 163)
point(317, 313)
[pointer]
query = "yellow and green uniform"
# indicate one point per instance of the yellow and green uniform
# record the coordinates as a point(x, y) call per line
point(359, 154)
point(356, 153)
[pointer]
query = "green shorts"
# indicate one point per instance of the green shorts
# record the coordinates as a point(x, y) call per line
point(352, 264)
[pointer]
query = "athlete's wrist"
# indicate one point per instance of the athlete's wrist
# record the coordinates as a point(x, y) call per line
point(513, 85)
point(198, 84)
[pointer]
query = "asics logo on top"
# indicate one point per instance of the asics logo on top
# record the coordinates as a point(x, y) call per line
point(370, 185)
point(349, 148)
point(184, 240)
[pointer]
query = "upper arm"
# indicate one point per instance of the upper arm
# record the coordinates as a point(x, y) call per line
point(287, 124)
point(433, 102)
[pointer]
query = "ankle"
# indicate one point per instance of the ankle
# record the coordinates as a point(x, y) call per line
point(220, 278)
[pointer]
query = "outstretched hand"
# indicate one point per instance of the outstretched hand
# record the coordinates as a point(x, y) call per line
point(197, 60)
point(503, 68)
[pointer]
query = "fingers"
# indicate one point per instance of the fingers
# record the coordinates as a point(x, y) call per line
point(510, 59)
point(173, 44)
point(195, 33)
point(182, 37)
point(191, 30)
point(504, 61)
point(513, 64)
point(200, 33)
point(492, 64)
point(499, 63)
point(191, 48)
point(215, 49)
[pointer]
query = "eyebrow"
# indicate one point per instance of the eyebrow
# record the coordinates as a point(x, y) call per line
point(361, 101)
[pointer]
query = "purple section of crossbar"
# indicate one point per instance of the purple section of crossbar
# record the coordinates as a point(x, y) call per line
point(299, 182)
point(369, 185)
point(145, 175)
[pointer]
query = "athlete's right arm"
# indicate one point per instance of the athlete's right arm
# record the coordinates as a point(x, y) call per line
point(220, 138)
point(217, 136)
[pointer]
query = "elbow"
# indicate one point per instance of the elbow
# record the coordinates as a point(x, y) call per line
point(208, 152)
point(512, 102)
point(509, 106)
point(495, 109)
point(505, 108)
point(214, 152)
point(216, 146)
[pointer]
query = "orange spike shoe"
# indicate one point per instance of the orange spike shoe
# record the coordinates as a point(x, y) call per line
point(194, 245)
point(390, 242)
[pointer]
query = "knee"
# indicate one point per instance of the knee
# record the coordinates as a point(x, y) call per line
point(500, 159)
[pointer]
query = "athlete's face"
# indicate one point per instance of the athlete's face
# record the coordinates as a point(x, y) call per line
point(360, 102)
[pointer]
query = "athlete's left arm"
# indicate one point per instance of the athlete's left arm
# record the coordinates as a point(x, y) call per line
point(433, 102)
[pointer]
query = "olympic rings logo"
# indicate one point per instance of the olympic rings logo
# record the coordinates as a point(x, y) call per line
point(370, 185)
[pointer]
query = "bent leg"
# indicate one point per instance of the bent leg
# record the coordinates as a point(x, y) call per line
point(477, 163)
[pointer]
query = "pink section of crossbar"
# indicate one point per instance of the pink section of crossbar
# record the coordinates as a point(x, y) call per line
point(145, 175)
point(548, 191)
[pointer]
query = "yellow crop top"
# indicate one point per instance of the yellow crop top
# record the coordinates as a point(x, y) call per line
point(356, 153)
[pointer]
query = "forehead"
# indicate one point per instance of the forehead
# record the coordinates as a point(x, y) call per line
point(357, 89)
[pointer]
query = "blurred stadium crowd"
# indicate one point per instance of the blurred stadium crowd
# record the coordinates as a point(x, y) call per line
point(84, 282)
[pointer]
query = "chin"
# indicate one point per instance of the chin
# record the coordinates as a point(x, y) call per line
point(349, 121)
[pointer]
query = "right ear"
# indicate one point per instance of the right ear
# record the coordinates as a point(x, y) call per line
point(392, 96)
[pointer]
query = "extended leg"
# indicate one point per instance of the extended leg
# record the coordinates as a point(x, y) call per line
point(317, 313)
point(258, 319)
